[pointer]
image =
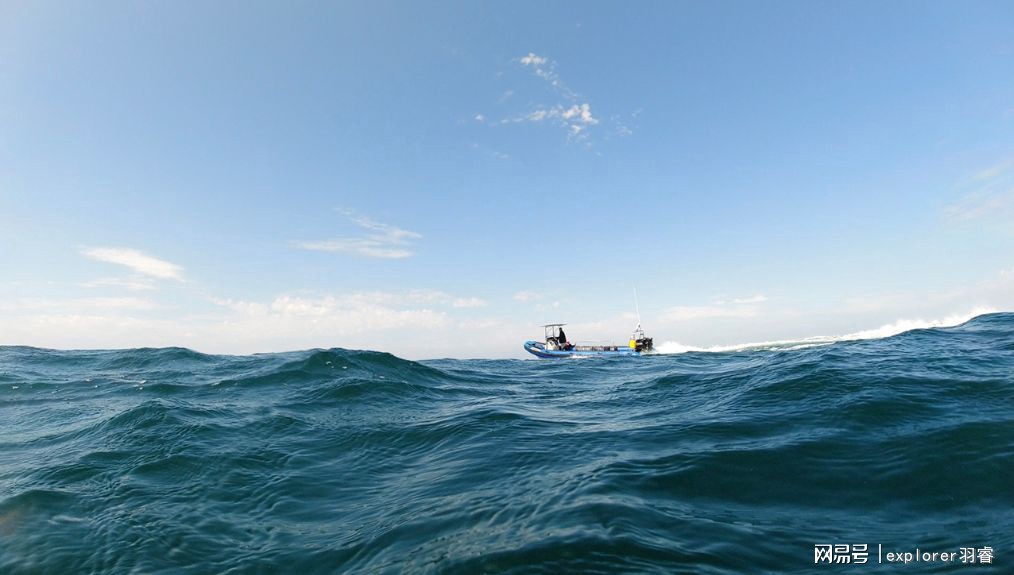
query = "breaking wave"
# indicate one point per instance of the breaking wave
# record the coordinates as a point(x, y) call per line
point(887, 330)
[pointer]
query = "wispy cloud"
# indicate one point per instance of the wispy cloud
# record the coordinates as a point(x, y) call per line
point(740, 307)
point(684, 313)
point(991, 195)
point(575, 119)
point(533, 60)
point(992, 172)
point(381, 240)
point(545, 68)
point(759, 298)
point(136, 260)
point(527, 296)
point(303, 317)
point(426, 298)
point(570, 112)
point(981, 204)
point(422, 297)
point(540, 301)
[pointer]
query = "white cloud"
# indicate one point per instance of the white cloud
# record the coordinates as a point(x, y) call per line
point(546, 69)
point(434, 297)
point(375, 320)
point(533, 60)
point(382, 241)
point(341, 314)
point(572, 113)
point(410, 323)
point(285, 322)
point(576, 114)
point(415, 296)
point(480, 118)
point(581, 113)
point(527, 296)
point(574, 119)
point(322, 305)
point(537, 115)
point(136, 260)
point(480, 324)
point(759, 298)
point(344, 313)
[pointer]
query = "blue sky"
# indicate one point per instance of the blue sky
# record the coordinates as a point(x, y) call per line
point(440, 179)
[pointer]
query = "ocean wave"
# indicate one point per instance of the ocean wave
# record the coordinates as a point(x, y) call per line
point(887, 330)
point(323, 461)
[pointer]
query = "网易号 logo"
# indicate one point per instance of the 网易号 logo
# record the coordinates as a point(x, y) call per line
point(841, 553)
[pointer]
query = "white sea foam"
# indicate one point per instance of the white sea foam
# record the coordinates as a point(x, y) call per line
point(887, 330)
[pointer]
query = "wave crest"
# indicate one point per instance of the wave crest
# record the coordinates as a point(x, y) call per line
point(897, 327)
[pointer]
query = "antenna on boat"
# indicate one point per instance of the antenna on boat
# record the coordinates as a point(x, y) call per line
point(637, 308)
point(638, 332)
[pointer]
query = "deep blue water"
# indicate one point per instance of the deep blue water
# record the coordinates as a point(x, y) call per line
point(171, 461)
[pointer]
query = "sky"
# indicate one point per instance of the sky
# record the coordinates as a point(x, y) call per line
point(440, 179)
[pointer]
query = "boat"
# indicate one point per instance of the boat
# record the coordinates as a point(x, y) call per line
point(556, 345)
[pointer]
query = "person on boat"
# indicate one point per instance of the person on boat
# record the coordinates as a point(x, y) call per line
point(562, 338)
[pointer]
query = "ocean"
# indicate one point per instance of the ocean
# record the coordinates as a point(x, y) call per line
point(786, 459)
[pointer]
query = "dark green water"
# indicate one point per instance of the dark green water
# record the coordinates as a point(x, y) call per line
point(170, 461)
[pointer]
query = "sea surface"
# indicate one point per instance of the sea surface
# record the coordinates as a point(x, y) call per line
point(333, 461)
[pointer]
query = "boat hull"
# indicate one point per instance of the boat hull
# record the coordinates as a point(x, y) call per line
point(538, 349)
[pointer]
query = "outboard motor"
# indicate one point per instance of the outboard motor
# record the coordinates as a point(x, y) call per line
point(644, 344)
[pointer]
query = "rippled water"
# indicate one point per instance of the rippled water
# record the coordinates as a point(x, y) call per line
point(170, 461)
